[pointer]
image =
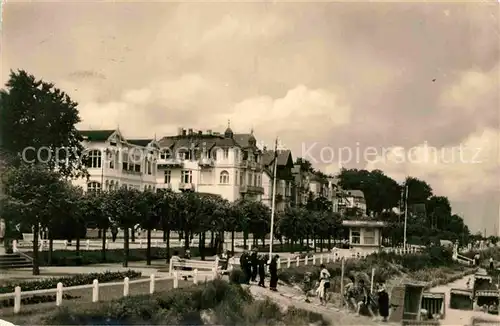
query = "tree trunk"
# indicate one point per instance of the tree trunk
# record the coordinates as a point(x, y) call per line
point(232, 243)
point(36, 232)
point(201, 245)
point(164, 236)
point(77, 249)
point(125, 246)
point(186, 240)
point(212, 239)
point(329, 243)
point(148, 248)
point(245, 237)
point(51, 249)
point(133, 234)
point(103, 248)
point(167, 240)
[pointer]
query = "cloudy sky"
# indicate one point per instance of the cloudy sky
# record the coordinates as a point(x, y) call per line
point(410, 81)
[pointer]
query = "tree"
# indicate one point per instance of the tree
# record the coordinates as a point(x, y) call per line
point(380, 191)
point(439, 211)
point(124, 207)
point(37, 118)
point(94, 213)
point(419, 191)
point(305, 165)
point(32, 196)
point(151, 209)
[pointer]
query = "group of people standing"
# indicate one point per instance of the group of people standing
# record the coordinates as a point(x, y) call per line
point(254, 264)
point(358, 296)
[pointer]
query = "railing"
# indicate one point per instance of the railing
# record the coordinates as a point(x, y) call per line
point(97, 244)
point(330, 257)
point(95, 286)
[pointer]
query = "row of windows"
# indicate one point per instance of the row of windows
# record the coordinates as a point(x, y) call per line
point(187, 177)
point(114, 185)
point(189, 155)
point(368, 236)
point(94, 161)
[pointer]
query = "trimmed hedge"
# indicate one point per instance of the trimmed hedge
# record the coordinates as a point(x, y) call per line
point(212, 303)
point(51, 283)
point(89, 257)
point(67, 281)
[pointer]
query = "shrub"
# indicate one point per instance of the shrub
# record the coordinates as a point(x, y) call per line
point(227, 304)
point(236, 276)
point(51, 283)
point(81, 279)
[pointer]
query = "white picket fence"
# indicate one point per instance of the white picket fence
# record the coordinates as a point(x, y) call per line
point(97, 244)
point(175, 275)
point(95, 286)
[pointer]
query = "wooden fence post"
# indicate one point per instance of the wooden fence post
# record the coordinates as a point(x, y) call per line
point(95, 291)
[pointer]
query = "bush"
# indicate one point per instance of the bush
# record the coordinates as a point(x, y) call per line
point(88, 257)
point(81, 279)
point(236, 276)
point(215, 302)
point(387, 265)
point(51, 283)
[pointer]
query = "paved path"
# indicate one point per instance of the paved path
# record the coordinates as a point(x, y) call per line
point(290, 297)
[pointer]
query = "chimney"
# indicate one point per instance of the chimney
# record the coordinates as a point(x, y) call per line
point(179, 131)
point(190, 131)
point(184, 132)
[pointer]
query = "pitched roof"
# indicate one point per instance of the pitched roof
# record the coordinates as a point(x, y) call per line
point(355, 193)
point(283, 156)
point(96, 135)
point(243, 139)
point(140, 142)
point(196, 141)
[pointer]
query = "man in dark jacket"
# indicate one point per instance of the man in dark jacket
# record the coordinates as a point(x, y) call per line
point(262, 269)
point(273, 270)
point(246, 267)
point(254, 260)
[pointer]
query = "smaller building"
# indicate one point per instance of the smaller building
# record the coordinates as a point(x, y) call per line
point(354, 199)
point(365, 235)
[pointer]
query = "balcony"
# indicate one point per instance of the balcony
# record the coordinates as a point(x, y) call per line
point(251, 165)
point(167, 186)
point(206, 162)
point(251, 189)
point(169, 163)
point(186, 186)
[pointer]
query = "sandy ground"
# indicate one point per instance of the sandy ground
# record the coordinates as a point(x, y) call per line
point(291, 296)
point(455, 316)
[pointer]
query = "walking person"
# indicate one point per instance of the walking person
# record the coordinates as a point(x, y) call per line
point(254, 260)
point(492, 264)
point(262, 269)
point(383, 302)
point(324, 285)
point(476, 259)
point(273, 270)
point(114, 233)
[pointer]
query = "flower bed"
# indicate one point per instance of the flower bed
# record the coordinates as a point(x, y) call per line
point(51, 283)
